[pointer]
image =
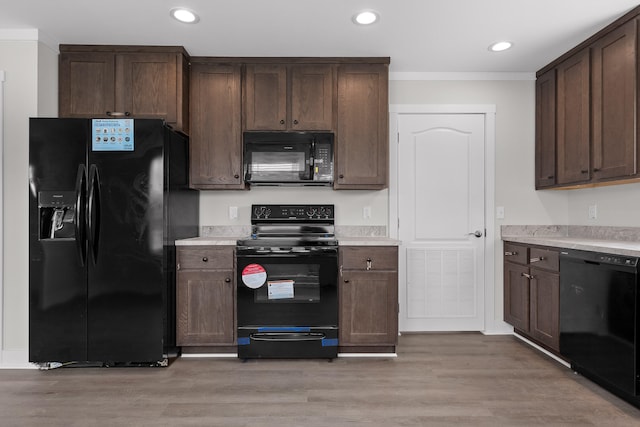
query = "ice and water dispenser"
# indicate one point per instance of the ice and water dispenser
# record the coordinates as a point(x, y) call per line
point(57, 210)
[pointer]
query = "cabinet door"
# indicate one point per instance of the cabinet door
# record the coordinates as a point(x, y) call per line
point(546, 129)
point(516, 296)
point(369, 308)
point(216, 133)
point(312, 97)
point(573, 134)
point(265, 97)
point(146, 85)
point(545, 308)
point(205, 307)
point(86, 84)
point(614, 98)
point(362, 136)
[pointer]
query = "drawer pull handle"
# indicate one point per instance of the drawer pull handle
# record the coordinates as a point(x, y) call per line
point(528, 276)
point(205, 259)
point(537, 259)
point(510, 253)
point(346, 280)
point(369, 264)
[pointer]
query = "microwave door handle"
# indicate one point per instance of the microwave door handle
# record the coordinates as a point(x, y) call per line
point(312, 160)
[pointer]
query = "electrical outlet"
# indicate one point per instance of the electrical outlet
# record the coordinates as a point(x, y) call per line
point(593, 211)
point(233, 212)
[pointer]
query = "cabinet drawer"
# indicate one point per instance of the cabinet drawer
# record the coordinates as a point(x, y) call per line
point(374, 257)
point(516, 253)
point(205, 257)
point(544, 258)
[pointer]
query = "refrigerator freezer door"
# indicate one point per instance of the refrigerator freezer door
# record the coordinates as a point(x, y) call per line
point(57, 278)
point(126, 278)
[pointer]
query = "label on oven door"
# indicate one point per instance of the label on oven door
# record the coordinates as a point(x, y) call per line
point(254, 276)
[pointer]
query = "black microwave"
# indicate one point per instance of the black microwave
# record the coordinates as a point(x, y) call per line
point(288, 158)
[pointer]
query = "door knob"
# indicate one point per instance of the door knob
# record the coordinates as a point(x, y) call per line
point(476, 233)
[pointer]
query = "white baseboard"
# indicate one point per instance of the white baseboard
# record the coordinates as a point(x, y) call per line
point(15, 359)
point(499, 328)
point(209, 355)
point(549, 354)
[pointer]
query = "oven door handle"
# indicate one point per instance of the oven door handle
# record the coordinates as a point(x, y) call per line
point(287, 336)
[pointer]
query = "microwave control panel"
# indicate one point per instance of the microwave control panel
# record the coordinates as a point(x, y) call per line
point(323, 162)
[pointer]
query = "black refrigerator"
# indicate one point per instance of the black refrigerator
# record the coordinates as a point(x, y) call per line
point(107, 200)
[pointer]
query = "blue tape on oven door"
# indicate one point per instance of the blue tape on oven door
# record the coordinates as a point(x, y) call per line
point(284, 329)
point(244, 341)
point(330, 342)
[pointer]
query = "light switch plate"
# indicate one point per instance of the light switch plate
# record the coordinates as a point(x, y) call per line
point(500, 212)
point(593, 211)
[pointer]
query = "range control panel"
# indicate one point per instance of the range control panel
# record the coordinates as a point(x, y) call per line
point(292, 212)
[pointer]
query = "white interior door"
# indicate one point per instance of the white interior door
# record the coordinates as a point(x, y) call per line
point(441, 193)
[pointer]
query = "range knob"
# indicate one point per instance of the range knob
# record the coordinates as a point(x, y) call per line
point(261, 211)
point(311, 211)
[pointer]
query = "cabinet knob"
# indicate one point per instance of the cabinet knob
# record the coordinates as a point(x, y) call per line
point(550, 177)
point(295, 122)
point(340, 176)
point(236, 176)
point(205, 259)
point(281, 122)
point(346, 280)
point(596, 169)
point(583, 171)
point(227, 280)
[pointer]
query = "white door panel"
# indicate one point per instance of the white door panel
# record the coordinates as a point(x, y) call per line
point(441, 205)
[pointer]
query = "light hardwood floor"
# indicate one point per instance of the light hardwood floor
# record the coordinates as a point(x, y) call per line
point(436, 380)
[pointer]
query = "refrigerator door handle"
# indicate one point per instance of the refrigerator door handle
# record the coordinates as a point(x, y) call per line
point(79, 218)
point(93, 214)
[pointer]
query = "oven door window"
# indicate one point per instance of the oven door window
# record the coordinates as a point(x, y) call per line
point(294, 283)
point(287, 290)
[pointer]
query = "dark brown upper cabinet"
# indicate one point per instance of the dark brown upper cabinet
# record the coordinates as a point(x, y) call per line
point(124, 81)
point(216, 135)
point(573, 127)
point(587, 113)
point(613, 100)
point(362, 135)
point(546, 130)
point(289, 97)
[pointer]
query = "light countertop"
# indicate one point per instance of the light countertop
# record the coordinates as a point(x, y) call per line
point(613, 240)
point(342, 241)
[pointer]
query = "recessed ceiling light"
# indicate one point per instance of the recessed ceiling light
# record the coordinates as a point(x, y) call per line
point(500, 46)
point(184, 15)
point(366, 17)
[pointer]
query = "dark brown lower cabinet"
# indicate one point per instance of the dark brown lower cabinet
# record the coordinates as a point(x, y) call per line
point(368, 292)
point(532, 292)
point(205, 295)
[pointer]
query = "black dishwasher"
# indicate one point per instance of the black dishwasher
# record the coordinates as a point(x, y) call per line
point(598, 323)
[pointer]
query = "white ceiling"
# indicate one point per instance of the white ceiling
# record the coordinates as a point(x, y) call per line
point(418, 35)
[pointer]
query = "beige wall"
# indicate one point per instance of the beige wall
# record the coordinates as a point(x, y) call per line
point(29, 89)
